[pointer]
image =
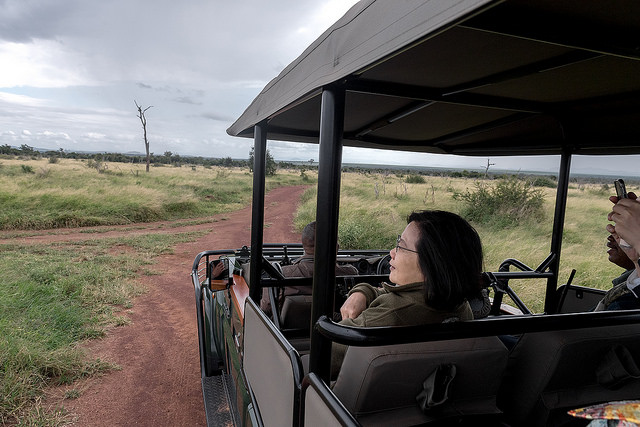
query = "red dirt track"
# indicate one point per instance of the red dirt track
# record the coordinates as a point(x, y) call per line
point(159, 383)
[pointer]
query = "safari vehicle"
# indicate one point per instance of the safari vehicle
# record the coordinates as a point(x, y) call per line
point(466, 77)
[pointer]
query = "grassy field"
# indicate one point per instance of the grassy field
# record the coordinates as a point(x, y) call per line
point(35, 194)
point(47, 306)
point(54, 296)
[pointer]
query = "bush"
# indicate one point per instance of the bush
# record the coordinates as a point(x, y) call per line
point(43, 173)
point(414, 179)
point(507, 203)
point(353, 233)
point(270, 167)
point(27, 169)
point(97, 165)
point(544, 181)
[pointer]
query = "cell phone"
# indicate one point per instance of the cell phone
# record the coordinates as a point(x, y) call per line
point(621, 190)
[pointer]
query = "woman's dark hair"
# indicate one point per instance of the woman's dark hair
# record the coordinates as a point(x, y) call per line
point(450, 258)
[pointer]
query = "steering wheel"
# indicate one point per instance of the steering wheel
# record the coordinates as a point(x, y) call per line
point(383, 265)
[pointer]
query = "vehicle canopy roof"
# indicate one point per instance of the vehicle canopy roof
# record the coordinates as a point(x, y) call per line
point(468, 77)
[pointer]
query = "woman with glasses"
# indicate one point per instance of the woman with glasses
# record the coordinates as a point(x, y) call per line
point(436, 267)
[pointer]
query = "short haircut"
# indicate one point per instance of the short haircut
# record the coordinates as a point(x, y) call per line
point(309, 235)
point(450, 258)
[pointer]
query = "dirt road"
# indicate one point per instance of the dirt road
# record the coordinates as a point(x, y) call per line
point(159, 383)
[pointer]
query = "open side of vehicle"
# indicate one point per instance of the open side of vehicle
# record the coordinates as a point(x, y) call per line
point(464, 77)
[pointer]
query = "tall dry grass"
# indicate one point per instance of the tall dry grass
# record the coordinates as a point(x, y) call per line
point(35, 194)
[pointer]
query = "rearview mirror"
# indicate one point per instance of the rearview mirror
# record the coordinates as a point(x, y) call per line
point(219, 274)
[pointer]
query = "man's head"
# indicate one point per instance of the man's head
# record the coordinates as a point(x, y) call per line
point(309, 238)
point(617, 255)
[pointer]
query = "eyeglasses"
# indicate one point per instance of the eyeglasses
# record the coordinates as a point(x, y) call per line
point(402, 247)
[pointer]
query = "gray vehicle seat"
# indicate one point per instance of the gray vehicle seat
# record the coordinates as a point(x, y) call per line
point(272, 368)
point(296, 316)
point(296, 312)
point(551, 372)
point(321, 407)
point(379, 385)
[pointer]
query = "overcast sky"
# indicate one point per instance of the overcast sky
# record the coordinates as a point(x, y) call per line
point(71, 70)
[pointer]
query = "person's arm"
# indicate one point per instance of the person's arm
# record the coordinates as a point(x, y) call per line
point(358, 300)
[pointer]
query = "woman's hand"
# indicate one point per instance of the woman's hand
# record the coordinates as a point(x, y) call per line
point(353, 306)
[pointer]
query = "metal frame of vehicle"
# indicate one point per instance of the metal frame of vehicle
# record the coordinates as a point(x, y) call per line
point(464, 77)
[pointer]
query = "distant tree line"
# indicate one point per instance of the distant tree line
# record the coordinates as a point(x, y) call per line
point(168, 158)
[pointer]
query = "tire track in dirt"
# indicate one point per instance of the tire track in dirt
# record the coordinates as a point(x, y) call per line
point(159, 383)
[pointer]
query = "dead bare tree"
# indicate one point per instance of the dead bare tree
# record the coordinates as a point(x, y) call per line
point(486, 169)
point(143, 120)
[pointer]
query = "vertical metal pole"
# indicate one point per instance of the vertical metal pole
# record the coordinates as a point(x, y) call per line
point(550, 304)
point(324, 274)
point(257, 209)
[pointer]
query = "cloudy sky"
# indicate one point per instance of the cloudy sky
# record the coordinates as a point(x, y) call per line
point(72, 69)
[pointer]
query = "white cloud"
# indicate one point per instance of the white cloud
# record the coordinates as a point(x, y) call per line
point(94, 135)
point(19, 100)
point(41, 63)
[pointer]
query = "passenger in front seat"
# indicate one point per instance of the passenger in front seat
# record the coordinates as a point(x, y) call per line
point(303, 267)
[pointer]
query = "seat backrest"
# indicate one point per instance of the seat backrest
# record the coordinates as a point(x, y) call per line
point(272, 368)
point(379, 385)
point(321, 407)
point(551, 372)
point(296, 312)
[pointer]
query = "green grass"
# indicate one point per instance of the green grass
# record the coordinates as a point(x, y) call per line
point(54, 296)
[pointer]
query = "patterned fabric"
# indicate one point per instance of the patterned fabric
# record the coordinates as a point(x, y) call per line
point(625, 413)
point(619, 297)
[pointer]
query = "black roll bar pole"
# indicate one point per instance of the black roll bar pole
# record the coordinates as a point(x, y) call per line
point(324, 275)
point(257, 209)
point(550, 303)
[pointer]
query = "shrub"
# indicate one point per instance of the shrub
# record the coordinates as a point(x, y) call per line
point(505, 204)
point(98, 165)
point(270, 167)
point(27, 169)
point(354, 233)
point(544, 181)
point(43, 173)
point(414, 179)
